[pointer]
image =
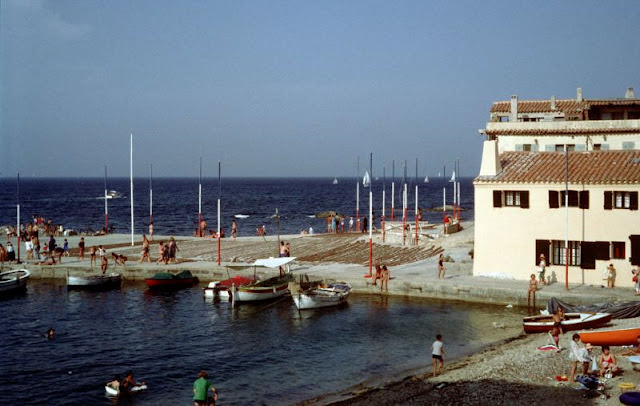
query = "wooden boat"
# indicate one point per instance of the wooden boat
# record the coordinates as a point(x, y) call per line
point(166, 280)
point(221, 289)
point(97, 282)
point(572, 321)
point(320, 295)
point(624, 336)
point(14, 281)
point(271, 288)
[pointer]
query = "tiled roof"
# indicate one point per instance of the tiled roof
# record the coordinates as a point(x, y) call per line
point(563, 106)
point(592, 167)
point(561, 131)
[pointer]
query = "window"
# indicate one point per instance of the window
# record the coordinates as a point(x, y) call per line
point(512, 198)
point(576, 199)
point(620, 200)
point(618, 249)
point(559, 253)
point(597, 147)
point(628, 145)
point(635, 249)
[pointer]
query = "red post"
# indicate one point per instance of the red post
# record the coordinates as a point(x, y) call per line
point(219, 249)
point(416, 228)
point(357, 220)
point(383, 229)
point(370, 257)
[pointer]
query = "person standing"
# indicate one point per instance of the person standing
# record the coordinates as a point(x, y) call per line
point(65, 248)
point(578, 354)
point(173, 249)
point(531, 294)
point(542, 265)
point(28, 245)
point(441, 267)
point(145, 249)
point(104, 262)
point(234, 230)
point(437, 355)
point(81, 249)
point(384, 279)
point(11, 254)
point(151, 230)
point(351, 223)
point(201, 388)
point(636, 279)
point(36, 246)
point(92, 255)
point(611, 276)
point(52, 245)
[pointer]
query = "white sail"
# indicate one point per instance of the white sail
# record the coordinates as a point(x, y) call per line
point(366, 180)
point(426, 179)
point(453, 177)
point(335, 181)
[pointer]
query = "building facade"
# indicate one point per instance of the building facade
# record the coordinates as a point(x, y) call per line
point(530, 160)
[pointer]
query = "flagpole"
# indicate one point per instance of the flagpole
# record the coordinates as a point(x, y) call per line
point(444, 209)
point(200, 200)
point(219, 196)
point(393, 181)
point(370, 231)
point(106, 210)
point(150, 193)
point(566, 210)
point(18, 218)
point(416, 212)
point(131, 182)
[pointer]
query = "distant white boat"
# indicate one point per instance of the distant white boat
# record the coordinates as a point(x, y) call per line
point(366, 179)
point(453, 177)
point(426, 179)
point(112, 194)
point(335, 181)
point(241, 216)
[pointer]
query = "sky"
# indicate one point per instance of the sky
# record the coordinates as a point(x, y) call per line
point(289, 88)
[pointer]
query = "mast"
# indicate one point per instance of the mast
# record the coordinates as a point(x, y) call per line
point(18, 218)
point(200, 200)
point(150, 193)
point(106, 209)
point(131, 182)
point(219, 197)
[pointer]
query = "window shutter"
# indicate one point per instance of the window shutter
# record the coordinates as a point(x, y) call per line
point(553, 199)
point(524, 199)
point(587, 255)
point(608, 200)
point(542, 247)
point(633, 201)
point(635, 249)
point(573, 198)
point(602, 250)
point(497, 198)
point(584, 199)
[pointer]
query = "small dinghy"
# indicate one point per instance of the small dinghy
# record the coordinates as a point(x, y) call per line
point(572, 321)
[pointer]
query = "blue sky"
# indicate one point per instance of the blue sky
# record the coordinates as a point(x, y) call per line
point(289, 88)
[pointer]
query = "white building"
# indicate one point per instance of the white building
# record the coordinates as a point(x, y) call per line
point(520, 191)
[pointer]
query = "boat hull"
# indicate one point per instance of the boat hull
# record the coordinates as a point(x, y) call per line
point(628, 336)
point(253, 293)
point(94, 282)
point(221, 289)
point(316, 298)
point(573, 321)
point(14, 281)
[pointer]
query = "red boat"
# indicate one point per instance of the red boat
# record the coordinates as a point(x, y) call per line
point(572, 321)
point(221, 288)
point(625, 336)
point(165, 280)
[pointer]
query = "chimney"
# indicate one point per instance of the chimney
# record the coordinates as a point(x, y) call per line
point(490, 165)
point(629, 94)
point(553, 102)
point(579, 96)
point(513, 116)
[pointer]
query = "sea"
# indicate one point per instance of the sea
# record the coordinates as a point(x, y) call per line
point(256, 354)
point(285, 205)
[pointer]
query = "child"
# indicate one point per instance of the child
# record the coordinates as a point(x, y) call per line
point(437, 355)
point(533, 286)
point(608, 366)
point(578, 354)
point(65, 247)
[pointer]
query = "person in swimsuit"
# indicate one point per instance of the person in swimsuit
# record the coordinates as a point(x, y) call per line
point(81, 248)
point(145, 249)
point(533, 287)
point(607, 362)
point(384, 280)
point(234, 230)
point(441, 267)
point(92, 255)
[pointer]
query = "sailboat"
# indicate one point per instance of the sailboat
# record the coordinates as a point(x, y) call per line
point(426, 179)
point(335, 181)
point(366, 179)
point(453, 177)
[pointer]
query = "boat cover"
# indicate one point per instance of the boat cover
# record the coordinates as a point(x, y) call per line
point(273, 262)
point(624, 310)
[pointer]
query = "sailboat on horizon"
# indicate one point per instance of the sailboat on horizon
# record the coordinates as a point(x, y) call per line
point(366, 179)
point(335, 181)
point(426, 179)
point(453, 177)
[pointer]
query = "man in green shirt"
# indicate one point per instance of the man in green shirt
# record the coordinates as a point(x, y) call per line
point(201, 388)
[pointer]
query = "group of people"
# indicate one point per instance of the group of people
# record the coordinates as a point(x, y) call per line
point(605, 365)
point(166, 251)
point(382, 274)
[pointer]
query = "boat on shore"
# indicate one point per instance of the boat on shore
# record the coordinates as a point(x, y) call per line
point(315, 295)
point(624, 336)
point(14, 281)
point(265, 289)
point(166, 280)
point(96, 282)
point(572, 321)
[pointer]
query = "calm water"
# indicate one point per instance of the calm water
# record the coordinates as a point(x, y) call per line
point(256, 354)
point(76, 203)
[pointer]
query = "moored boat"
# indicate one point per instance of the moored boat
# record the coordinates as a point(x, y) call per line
point(624, 336)
point(166, 280)
point(572, 321)
point(320, 295)
point(97, 282)
point(221, 289)
point(271, 288)
point(14, 281)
